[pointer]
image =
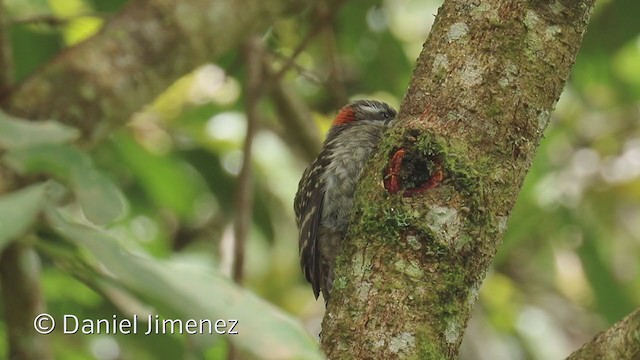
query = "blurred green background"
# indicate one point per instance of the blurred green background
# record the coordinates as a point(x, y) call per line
point(165, 187)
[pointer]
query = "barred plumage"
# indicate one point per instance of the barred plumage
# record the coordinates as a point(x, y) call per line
point(324, 199)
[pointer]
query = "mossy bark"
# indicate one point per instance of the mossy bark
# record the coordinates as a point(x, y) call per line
point(479, 100)
point(621, 341)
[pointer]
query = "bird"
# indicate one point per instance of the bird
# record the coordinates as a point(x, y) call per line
point(325, 197)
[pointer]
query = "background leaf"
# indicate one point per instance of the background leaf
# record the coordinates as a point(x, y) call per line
point(196, 294)
point(18, 133)
point(18, 211)
point(101, 200)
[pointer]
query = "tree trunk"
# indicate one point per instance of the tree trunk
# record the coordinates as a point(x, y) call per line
point(435, 200)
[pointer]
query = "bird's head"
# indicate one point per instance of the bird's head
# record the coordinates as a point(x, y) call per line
point(364, 110)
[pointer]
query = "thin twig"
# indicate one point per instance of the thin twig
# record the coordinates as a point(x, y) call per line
point(304, 72)
point(253, 55)
point(244, 190)
point(336, 76)
point(295, 117)
point(321, 23)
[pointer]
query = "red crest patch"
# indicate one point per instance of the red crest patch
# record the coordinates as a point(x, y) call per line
point(345, 115)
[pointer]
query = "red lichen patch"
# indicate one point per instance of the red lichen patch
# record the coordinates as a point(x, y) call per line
point(392, 174)
point(412, 173)
point(345, 115)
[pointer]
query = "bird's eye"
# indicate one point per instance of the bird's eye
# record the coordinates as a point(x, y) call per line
point(385, 115)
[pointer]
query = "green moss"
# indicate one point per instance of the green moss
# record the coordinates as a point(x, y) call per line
point(340, 283)
point(413, 242)
point(453, 288)
point(410, 268)
point(431, 247)
point(392, 283)
point(398, 219)
point(450, 153)
point(426, 346)
point(494, 110)
point(463, 241)
point(464, 174)
point(383, 216)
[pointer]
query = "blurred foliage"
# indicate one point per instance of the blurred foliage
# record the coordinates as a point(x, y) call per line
point(141, 223)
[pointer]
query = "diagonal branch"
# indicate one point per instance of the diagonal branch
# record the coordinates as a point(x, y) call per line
point(101, 82)
point(621, 341)
point(296, 118)
point(321, 22)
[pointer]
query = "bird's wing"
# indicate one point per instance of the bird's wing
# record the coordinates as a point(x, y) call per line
point(308, 208)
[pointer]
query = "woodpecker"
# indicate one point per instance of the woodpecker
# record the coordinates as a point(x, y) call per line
point(324, 200)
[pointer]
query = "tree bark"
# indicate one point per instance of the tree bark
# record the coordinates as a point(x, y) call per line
point(619, 342)
point(434, 202)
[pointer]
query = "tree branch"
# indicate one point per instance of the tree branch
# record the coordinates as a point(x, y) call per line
point(296, 119)
point(318, 25)
point(244, 189)
point(434, 202)
point(6, 53)
point(336, 76)
point(136, 56)
point(22, 300)
point(621, 341)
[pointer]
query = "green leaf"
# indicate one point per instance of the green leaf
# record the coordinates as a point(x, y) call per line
point(27, 8)
point(166, 179)
point(18, 210)
point(18, 133)
point(56, 160)
point(263, 330)
point(33, 45)
point(101, 200)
